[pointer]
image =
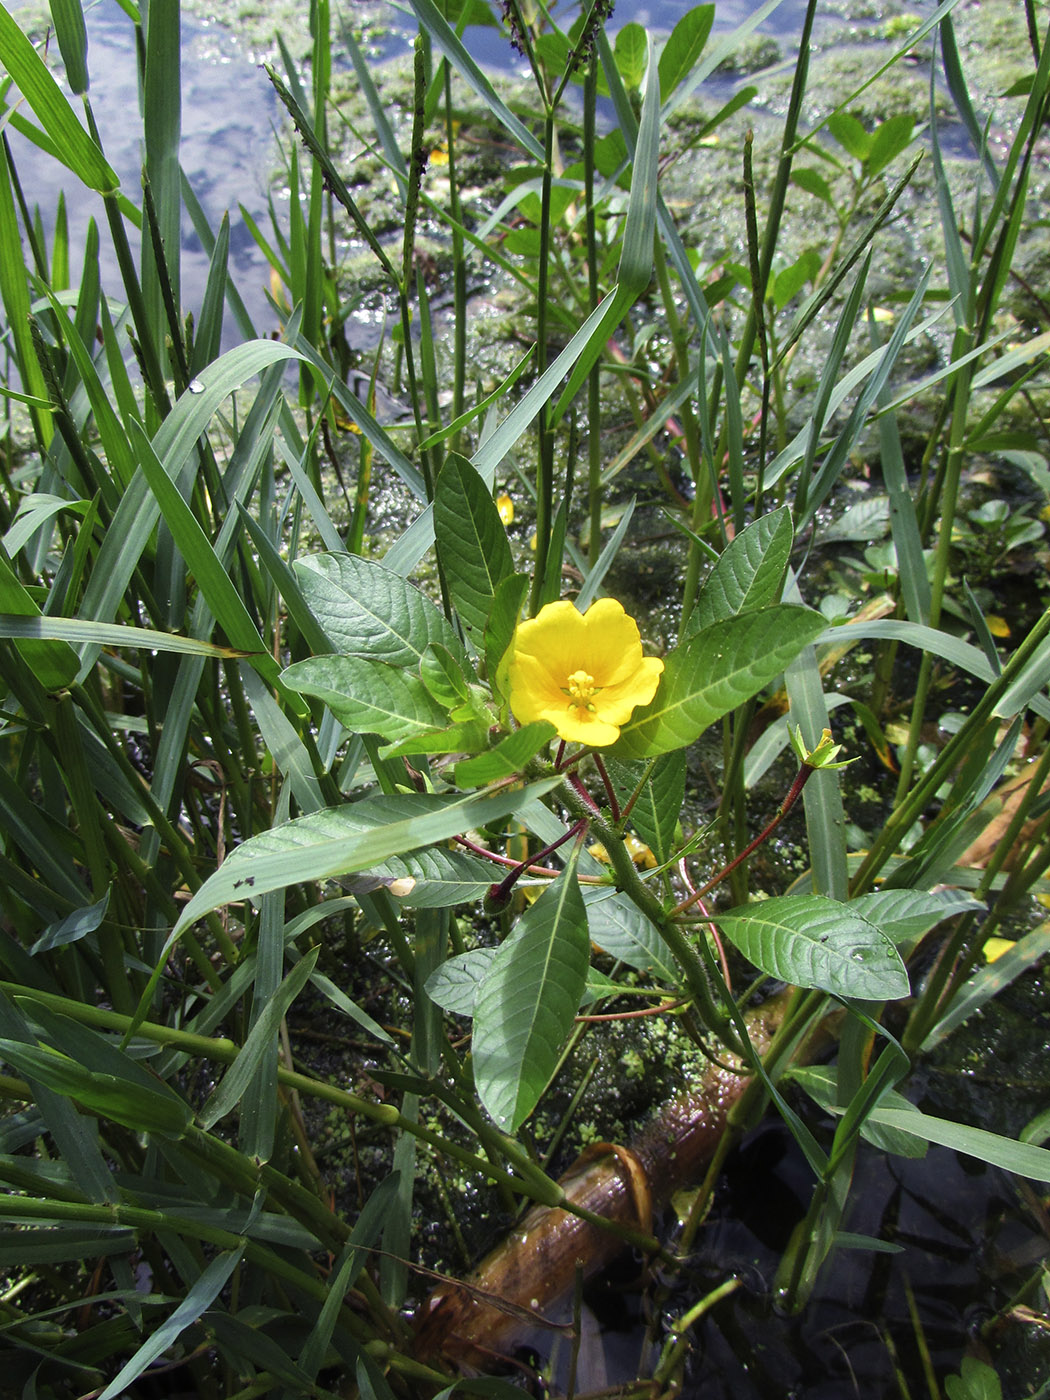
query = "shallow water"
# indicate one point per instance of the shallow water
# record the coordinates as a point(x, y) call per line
point(229, 113)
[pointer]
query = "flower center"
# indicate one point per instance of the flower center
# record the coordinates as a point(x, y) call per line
point(580, 690)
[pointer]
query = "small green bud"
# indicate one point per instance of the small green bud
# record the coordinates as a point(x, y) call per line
point(823, 755)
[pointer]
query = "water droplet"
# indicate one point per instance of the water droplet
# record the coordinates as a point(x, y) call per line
point(195, 386)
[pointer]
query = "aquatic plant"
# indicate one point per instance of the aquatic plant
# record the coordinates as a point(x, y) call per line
point(249, 739)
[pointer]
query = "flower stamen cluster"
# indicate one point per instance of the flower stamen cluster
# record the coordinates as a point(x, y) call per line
point(580, 689)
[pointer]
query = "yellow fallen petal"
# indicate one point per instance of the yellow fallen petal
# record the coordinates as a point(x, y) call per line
point(996, 947)
point(639, 852)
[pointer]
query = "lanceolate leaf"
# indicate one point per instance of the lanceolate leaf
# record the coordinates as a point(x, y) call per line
point(684, 47)
point(619, 928)
point(437, 878)
point(505, 615)
point(508, 757)
point(471, 543)
point(525, 1007)
point(750, 573)
point(367, 610)
point(369, 697)
point(50, 107)
point(341, 840)
point(656, 813)
point(262, 1037)
point(443, 677)
point(712, 673)
point(905, 915)
point(812, 941)
point(454, 986)
point(472, 736)
point(157, 1110)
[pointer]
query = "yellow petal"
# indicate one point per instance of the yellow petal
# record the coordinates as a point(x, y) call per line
point(584, 672)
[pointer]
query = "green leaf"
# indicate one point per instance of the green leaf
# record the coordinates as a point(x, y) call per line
point(1021, 1158)
point(50, 107)
point(472, 736)
point(905, 915)
point(262, 1037)
point(443, 676)
point(205, 1290)
point(454, 986)
point(341, 840)
point(525, 1006)
point(684, 47)
point(813, 182)
point(976, 1381)
point(471, 543)
point(631, 50)
point(439, 877)
point(505, 616)
point(72, 928)
point(508, 757)
point(713, 672)
point(155, 1110)
point(369, 611)
point(821, 1083)
point(941, 644)
point(369, 697)
point(888, 140)
point(214, 582)
point(620, 929)
point(749, 574)
point(988, 981)
point(850, 134)
point(366, 1231)
point(791, 280)
point(109, 634)
point(813, 941)
point(444, 37)
point(658, 810)
point(71, 33)
point(636, 255)
point(175, 443)
point(53, 663)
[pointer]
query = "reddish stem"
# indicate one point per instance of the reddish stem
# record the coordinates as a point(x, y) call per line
point(499, 894)
point(614, 806)
point(696, 894)
point(577, 783)
point(634, 1015)
point(794, 792)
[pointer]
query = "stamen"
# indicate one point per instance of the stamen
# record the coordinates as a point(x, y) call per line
point(580, 690)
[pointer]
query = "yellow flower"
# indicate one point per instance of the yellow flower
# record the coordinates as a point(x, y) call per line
point(584, 672)
point(505, 506)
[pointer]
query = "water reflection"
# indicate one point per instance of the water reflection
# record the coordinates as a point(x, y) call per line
point(228, 116)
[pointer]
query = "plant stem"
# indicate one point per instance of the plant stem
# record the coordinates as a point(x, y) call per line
point(802, 777)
